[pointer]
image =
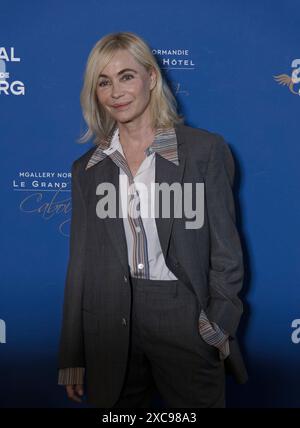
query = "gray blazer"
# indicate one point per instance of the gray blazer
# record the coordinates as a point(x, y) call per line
point(97, 290)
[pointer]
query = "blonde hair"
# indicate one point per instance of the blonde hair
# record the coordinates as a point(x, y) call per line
point(163, 105)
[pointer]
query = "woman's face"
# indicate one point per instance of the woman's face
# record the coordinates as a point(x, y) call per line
point(124, 88)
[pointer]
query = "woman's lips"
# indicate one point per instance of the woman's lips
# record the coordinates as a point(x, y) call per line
point(120, 106)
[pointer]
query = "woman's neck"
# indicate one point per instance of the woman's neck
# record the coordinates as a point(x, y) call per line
point(133, 137)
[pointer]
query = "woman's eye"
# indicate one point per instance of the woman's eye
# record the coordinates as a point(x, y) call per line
point(128, 75)
point(103, 83)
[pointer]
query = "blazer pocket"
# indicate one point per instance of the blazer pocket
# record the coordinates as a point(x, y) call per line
point(90, 322)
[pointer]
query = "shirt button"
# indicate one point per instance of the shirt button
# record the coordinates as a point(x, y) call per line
point(124, 322)
point(140, 266)
point(138, 229)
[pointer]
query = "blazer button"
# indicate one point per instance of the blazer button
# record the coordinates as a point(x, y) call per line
point(124, 322)
point(125, 278)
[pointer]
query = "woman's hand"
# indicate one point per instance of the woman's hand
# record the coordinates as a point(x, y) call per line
point(74, 392)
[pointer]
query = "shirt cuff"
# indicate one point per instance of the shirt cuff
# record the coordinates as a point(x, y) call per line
point(224, 352)
point(214, 335)
point(71, 376)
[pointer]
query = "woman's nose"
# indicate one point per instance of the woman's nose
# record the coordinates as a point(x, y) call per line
point(116, 90)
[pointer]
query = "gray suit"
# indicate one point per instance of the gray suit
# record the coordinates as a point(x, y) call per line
point(208, 260)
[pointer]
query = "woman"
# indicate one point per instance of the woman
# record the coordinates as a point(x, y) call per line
point(151, 301)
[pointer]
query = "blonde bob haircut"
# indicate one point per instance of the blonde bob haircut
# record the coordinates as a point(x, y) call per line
point(100, 124)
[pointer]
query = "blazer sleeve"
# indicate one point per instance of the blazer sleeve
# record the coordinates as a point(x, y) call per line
point(226, 270)
point(71, 349)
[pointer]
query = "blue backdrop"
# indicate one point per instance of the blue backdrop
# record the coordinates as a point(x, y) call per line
point(220, 58)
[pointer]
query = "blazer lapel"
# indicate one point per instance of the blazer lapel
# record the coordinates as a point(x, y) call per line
point(107, 171)
point(168, 172)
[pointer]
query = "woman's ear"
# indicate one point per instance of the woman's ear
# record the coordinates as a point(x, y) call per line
point(153, 78)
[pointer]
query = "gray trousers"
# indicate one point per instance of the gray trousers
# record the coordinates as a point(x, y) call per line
point(167, 353)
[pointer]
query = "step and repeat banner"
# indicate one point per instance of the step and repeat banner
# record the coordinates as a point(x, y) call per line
point(234, 67)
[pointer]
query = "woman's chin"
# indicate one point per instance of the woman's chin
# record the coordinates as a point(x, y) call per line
point(125, 118)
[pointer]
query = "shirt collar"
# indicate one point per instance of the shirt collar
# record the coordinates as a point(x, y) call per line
point(164, 143)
